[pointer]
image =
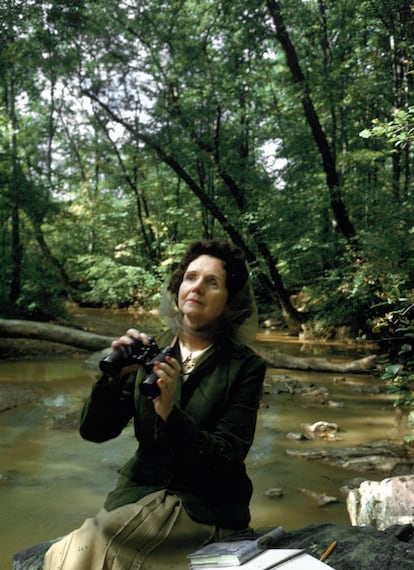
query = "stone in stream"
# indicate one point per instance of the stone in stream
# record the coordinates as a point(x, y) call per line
point(381, 456)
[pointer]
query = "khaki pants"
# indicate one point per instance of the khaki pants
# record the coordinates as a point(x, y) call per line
point(154, 533)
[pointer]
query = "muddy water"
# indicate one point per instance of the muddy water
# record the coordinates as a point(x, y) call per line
point(50, 479)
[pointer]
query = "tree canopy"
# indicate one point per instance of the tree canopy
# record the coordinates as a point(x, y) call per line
point(128, 129)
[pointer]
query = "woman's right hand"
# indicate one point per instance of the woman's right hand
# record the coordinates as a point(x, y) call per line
point(129, 337)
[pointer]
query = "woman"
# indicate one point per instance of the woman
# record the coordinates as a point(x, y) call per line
point(187, 482)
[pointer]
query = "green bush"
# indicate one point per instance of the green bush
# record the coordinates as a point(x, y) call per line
point(42, 296)
point(106, 282)
point(341, 298)
point(397, 329)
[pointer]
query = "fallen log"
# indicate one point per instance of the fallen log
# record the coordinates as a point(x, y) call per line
point(10, 328)
point(13, 328)
point(280, 360)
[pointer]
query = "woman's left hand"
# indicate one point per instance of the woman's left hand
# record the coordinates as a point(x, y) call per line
point(167, 373)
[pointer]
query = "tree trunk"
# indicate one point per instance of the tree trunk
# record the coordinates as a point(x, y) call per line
point(15, 181)
point(280, 360)
point(47, 253)
point(328, 157)
point(53, 333)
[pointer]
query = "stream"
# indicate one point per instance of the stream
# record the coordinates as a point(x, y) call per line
point(51, 479)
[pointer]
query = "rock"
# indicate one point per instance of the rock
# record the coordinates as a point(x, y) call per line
point(335, 404)
point(282, 384)
point(321, 498)
point(321, 429)
point(358, 548)
point(356, 385)
point(402, 469)
point(382, 503)
point(32, 558)
point(296, 436)
point(351, 484)
point(382, 456)
point(274, 493)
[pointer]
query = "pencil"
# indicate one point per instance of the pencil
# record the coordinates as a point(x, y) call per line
point(328, 550)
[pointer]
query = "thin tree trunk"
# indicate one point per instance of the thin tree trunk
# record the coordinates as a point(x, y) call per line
point(15, 181)
point(328, 158)
point(48, 255)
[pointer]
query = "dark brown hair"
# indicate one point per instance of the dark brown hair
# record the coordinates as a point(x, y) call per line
point(233, 261)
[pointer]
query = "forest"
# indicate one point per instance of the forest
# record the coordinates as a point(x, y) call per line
point(130, 128)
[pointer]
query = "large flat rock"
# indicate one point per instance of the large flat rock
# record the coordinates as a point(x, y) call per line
point(357, 548)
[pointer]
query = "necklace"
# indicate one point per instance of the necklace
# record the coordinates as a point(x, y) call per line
point(189, 363)
point(191, 359)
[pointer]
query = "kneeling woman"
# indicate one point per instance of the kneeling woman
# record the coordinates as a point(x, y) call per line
point(187, 482)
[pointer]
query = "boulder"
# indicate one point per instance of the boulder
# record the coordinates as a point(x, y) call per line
point(32, 558)
point(321, 499)
point(382, 503)
point(357, 548)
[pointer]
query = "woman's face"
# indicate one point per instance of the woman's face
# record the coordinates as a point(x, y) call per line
point(203, 295)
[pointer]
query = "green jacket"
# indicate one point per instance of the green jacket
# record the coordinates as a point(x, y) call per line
point(199, 452)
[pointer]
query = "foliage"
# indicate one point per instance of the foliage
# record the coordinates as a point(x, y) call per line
point(399, 132)
point(42, 296)
point(343, 296)
point(392, 317)
point(397, 325)
point(110, 283)
point(147, 125)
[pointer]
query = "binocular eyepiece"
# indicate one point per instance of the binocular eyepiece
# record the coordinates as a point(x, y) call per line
point(137, 353)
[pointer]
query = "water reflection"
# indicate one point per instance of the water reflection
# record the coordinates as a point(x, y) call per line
point(50, 479)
